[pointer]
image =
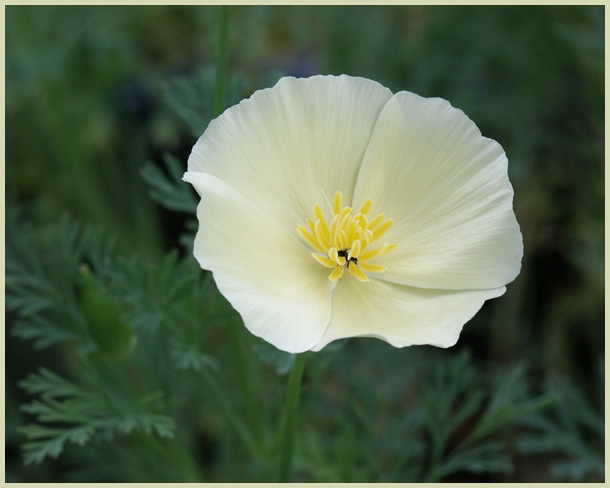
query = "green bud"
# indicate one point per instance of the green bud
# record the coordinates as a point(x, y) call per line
point(112, 336)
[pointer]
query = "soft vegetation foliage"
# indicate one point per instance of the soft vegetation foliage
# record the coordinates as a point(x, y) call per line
point(124, 362)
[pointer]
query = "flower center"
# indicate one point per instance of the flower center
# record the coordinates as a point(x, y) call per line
point(345, 241)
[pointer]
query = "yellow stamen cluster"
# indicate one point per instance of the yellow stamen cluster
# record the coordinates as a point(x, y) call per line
point(344, 242)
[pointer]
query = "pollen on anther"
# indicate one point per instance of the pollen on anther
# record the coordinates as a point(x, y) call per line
point(343, 240)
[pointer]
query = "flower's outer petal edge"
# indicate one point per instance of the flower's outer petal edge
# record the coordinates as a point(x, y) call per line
point(286, 147)
point(401, 315)
point(446, 186)
point(268, 276)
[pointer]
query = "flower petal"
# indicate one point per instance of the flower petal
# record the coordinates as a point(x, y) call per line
point(282, 294)
point(446, 186)
point(401, 315)
point(285, 144)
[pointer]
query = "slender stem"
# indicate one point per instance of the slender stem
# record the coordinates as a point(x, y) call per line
point(289, 425)
point(220, 102)
point(222, 63)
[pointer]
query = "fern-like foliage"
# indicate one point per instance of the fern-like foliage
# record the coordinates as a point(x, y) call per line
point(167, 188)
point(468, 417)
point(108, 394)
point(192, 97)
point(573, 433)
point(67, 413)
point(455, 418)
point(42, 279)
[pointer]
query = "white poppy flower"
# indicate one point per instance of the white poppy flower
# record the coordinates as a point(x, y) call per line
point(332, 208)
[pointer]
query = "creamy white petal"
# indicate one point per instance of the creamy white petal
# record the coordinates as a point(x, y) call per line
point(282, 294)
point(401, 315)
point(446, 186)
point(286, 146)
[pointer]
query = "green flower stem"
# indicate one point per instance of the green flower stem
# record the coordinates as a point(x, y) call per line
point(222, 67)
point(290, 414)
point(220, 103)
point(243, 370)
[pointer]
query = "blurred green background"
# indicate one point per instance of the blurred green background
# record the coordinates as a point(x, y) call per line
point(95, 93)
